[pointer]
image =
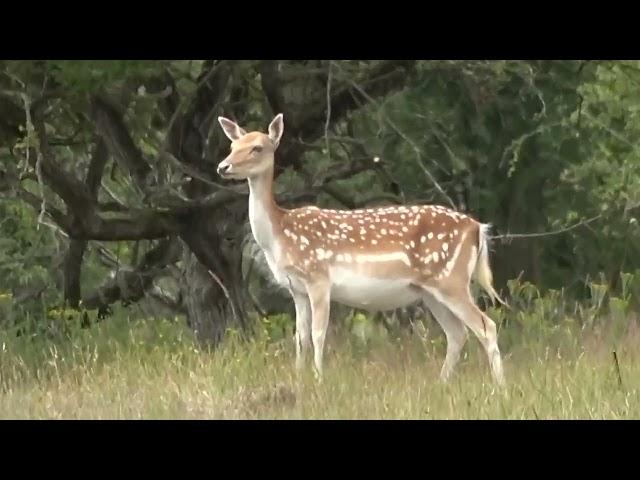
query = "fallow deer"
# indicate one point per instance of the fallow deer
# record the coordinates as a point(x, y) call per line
point(375, 259)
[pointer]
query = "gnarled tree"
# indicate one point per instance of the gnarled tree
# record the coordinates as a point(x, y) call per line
point(126, 152)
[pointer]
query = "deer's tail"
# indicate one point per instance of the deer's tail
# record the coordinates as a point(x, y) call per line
point(482, 271)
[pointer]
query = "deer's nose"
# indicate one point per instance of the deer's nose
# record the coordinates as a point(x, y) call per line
point(223, 168)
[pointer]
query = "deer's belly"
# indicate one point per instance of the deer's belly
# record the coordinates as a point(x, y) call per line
point(376, 294)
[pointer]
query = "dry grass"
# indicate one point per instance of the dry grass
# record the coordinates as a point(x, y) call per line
point(154, 370)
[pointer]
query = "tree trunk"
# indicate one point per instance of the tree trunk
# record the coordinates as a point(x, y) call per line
point(209, 313)
point(214, 291)
point(72, 270)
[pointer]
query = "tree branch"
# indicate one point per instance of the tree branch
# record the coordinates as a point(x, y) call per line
point(96, 168)
point(110, 126)
point(272, 86)
point(162, 297)
point(130, 285)
point(143, 224)
point(70, 189)
point(187, 133)
point(382, 79)
point(64, 221)
point(75, 253)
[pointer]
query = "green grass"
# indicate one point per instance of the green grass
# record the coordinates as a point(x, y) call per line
point(152, 369)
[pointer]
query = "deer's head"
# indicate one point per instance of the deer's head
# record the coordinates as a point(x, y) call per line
point(251, 153)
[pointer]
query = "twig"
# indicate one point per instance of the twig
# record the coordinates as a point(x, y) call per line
point(56, 215)
point(253, 299)
point(580, 102)
point(226, 294)
point(192, 172)
point(29, 126)
point(106, 256)
point(43, 205)
point(418, 153)
point(256, 305)
point(516, 144)
point(617, 364)
point(110, 193)
point(184, 101)
point(610, 131)
point(406, 138)
point(511, 236)
point(434, 129)
point(326, 124)
point(54, 227)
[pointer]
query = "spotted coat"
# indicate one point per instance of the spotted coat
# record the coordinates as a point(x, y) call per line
point(425, 239)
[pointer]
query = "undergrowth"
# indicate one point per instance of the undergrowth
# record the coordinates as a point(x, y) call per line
point(563, 359)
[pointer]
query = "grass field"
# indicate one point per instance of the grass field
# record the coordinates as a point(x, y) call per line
point(152, 369)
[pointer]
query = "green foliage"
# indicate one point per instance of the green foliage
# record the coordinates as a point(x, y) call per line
point(153, 368)
point(527, 146)
point(530, 146)
point(89, 75)
point(555, 318)
point(278, 327)
point(26, 249)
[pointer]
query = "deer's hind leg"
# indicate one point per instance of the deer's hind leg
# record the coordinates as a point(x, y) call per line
point(459, 302)
point(454, 330)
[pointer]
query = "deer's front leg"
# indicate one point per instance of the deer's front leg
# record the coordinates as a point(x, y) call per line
point(303, 328)
point(319, 299)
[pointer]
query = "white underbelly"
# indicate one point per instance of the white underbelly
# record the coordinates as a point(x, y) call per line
point(375, 294)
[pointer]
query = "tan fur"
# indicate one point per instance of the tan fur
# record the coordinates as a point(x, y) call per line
point(482, 272)
point(372, 258)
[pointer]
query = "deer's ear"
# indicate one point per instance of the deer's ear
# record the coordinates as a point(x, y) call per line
point(231, 129)
point(276, 128)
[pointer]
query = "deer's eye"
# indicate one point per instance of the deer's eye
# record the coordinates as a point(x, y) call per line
point(257, 149)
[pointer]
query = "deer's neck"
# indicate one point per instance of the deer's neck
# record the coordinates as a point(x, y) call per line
point(264, 213)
